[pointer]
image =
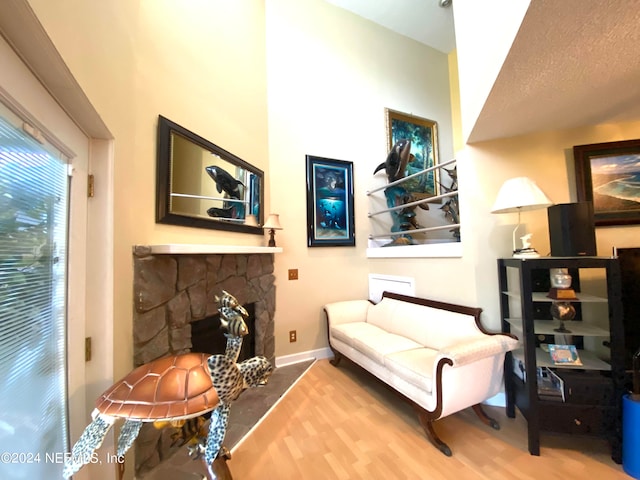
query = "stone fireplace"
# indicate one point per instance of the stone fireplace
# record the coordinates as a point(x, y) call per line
point(175, 287)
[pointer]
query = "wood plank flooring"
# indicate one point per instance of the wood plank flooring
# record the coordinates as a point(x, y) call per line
point(338, 423)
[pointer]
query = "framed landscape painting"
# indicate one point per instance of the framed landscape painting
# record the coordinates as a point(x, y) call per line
point(330, 220)
point(608, 174)
point(423, 134)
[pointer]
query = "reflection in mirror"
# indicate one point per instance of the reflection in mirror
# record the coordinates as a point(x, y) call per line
point(201, 185)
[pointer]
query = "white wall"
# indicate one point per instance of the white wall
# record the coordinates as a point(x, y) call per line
point(330, 77)
point(484, 35)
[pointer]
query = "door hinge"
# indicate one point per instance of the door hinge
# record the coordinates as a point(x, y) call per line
point(90, 186)
point(87, 349)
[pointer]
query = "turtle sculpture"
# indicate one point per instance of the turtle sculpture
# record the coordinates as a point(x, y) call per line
point(173, 388)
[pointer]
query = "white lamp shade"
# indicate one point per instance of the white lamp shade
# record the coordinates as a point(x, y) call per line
point(520, 194)
point(273, 222)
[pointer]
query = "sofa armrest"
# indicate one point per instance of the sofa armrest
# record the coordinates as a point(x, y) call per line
point(347, 311)
point(463, 353)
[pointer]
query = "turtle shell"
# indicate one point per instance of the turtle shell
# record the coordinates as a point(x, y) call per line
point(175, 387)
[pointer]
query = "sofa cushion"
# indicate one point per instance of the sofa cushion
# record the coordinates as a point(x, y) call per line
point(346, 332)
point(382, 313)
point(376, 347)
point(414, 366)
point(429, 326)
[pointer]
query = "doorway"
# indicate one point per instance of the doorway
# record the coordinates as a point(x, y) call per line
point(86, 259)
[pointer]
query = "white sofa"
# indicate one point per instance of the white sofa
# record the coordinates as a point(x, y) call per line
point(435, 354)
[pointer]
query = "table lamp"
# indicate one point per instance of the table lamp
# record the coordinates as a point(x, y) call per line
point(517, 195)
point(272, 224)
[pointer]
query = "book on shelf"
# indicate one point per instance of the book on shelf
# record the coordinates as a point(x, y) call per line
point(564, 354)
point(550, 385)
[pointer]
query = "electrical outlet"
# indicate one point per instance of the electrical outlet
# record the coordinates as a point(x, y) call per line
point(293, 274)
point(293, 336)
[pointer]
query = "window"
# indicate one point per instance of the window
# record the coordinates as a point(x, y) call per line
point(33, 238)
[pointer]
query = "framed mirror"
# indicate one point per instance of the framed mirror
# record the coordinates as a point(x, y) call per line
point(202, 185)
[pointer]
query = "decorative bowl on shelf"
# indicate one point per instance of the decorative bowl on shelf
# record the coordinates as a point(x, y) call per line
point(561, 280)
point(561, 285)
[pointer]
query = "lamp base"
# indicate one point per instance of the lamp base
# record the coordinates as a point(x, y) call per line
point(525, 253)
point(272, 237)
point(562, 328)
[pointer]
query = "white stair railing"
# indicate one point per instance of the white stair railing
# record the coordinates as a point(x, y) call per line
point(415, 203)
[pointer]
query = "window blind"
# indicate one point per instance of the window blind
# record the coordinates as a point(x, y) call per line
point(33, 238)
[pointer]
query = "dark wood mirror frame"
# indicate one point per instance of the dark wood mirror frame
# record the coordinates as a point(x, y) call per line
point(175, 171)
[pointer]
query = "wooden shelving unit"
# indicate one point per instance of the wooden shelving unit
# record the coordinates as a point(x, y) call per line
point(593, 391)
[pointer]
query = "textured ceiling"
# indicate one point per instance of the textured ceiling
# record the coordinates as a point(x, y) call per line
point(422, 20)
point(573, 63)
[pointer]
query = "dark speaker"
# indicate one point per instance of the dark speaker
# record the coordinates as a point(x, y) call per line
point(572, 231)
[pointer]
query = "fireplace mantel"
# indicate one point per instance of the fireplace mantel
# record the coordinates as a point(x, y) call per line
point(205, 249)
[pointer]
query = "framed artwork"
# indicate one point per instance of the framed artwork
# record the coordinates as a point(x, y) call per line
point(423, 134)
point(330, 220)
point(608, 174)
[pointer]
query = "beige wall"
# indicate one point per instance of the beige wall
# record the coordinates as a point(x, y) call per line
point(547, 158)
point(200, 64)
point(331, 75)
point(454, 89)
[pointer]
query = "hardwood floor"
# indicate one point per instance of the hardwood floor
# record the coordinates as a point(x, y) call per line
point(338, 423)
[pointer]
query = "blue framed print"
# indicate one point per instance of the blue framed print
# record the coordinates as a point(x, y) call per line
point(330, 218)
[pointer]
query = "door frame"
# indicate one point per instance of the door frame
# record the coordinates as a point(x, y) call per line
point(51, 85)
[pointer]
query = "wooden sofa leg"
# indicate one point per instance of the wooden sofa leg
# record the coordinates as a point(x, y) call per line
point(487, 420)
point(337, 356)
point(427, 425)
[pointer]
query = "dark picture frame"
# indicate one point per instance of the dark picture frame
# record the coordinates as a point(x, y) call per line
point(423, 134)
point(330, 217)
point(608, 174)
point(186, 193)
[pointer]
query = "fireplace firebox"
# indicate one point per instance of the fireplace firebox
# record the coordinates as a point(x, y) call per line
point(207, 336)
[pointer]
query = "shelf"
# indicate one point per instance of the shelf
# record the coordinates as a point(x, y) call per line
point(527, 314)
point(206, 249)
point(542, 297)
point(557, 262)
point(589, 360)
point(546, 327)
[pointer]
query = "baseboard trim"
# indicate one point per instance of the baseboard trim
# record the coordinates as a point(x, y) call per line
point(318, 354)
